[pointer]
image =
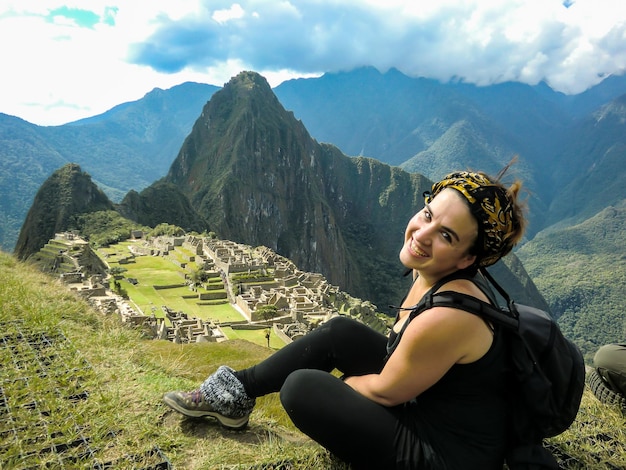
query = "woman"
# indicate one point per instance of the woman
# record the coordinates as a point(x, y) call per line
point(432, 395)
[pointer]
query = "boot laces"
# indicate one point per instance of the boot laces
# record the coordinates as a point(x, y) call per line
point(196, 397)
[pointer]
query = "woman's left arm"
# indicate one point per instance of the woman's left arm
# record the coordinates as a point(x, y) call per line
point(431, 344)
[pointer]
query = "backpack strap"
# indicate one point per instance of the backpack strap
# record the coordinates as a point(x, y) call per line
point(472, 305)
point(507, 317)
point(426, 301)
point(465, 302)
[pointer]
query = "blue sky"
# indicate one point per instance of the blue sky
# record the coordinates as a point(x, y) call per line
point(63, 61)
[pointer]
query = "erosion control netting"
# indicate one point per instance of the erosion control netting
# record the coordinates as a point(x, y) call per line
point(42, 388)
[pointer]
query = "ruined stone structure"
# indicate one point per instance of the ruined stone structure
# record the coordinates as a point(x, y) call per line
point(253, 278)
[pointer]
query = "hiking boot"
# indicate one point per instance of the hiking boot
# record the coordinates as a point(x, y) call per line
point(195, 405)
point(221, 396)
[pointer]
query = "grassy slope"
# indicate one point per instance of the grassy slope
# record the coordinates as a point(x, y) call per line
point(125, 381)
point(123, 414)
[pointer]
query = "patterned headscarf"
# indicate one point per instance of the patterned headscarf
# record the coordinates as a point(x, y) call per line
point(491, 206)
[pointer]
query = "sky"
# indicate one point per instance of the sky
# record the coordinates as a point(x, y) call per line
point(62, 61)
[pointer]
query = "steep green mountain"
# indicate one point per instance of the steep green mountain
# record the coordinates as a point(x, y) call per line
point(128, 147)
point(592, 163)
point(581, 271)
point(387, 116)
point(423, 117)
point(26, 160)
point(431, 127)
point(161, 202)
point(64, 196)
point(253, 171)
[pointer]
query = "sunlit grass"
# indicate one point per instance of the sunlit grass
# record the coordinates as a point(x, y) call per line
point(121, 414)
point(149, 271)
point(255, 336)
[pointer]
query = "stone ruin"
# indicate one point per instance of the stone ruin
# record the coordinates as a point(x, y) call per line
point(301, 299)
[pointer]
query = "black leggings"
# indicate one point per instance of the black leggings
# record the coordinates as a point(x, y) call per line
point(352, 427)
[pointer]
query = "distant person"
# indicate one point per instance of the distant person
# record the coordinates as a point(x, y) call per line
point(432, 394)
point(610, 364)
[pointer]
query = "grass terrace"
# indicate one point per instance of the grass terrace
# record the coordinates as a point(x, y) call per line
point(151, 271)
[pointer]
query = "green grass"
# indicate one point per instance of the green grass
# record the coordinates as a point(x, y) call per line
point(152, 270)
point(156, 270)
point(253, 336)
point(122, 417)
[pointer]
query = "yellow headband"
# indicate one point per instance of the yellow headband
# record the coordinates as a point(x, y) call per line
point(491, 206)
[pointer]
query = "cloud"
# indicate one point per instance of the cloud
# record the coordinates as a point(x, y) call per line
point(63, 60)
point(82, 18)
point(571, 45)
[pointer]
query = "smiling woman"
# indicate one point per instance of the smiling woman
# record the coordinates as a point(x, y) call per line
point(433, 394)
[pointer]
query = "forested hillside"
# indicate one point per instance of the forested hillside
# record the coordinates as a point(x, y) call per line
point(581, 271)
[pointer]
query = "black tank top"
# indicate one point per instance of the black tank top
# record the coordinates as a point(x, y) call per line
point(459, 422)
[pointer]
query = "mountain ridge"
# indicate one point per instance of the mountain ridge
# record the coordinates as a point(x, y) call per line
point(113, 162)
point(68, 193)
point(578, 173)
point(251, 159)
point(255, 175)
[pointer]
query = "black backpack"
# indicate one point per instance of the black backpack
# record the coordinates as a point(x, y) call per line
point(547, 371)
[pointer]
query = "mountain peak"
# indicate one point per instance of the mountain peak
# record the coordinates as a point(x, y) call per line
point(248, 80)
point(67, 193)
point(242, 128)
point(249, 91)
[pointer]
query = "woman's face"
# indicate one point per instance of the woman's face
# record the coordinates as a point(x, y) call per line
point(438, 238)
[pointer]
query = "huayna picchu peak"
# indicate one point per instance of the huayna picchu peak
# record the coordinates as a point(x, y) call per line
point(252, 170)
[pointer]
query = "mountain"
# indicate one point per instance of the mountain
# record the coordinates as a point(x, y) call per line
point(570, 156)
point(254, 172)
point(26, 160)
point(386, 116)
point(582, 272)
point(133, 144)
point(592, 162)
point(392, 117)
point(250, 172)
point(572, 159)
point(421, 124)
point(128, 147)
point(161, 202)
point(64, 196)
point(431, 127)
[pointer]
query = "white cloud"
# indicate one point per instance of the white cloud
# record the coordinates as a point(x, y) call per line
point(233, 13)
point(91, 56)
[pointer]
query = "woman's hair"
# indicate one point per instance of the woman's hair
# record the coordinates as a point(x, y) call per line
point(499, 213)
